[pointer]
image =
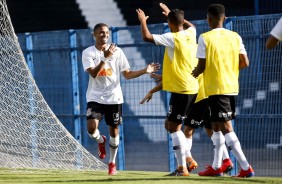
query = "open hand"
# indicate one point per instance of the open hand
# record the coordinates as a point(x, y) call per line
point(110, 51)
point(141, 15)
point(153, 67)
point(165, 9)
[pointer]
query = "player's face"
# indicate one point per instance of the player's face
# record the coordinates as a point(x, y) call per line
point(102, 35)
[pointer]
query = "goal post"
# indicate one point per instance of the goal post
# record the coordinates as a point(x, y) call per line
point(31, 136)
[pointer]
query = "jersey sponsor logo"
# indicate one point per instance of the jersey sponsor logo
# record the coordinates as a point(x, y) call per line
point(106, 72)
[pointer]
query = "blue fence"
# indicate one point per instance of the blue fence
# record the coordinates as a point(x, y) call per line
point(55, 59)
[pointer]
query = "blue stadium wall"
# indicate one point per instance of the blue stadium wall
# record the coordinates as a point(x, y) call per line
point(57, 54)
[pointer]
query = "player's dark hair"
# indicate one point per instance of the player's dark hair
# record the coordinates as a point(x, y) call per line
point(97, 26)
point(176, 16)
point(216, 10)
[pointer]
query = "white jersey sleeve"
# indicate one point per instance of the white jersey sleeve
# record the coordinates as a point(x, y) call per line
point(277, 30)
point(242, 47)
point(124, 64)
point(165, 39)
point(87, 59)
point(201, 51)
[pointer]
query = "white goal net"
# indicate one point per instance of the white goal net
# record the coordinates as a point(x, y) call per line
point(30, 134)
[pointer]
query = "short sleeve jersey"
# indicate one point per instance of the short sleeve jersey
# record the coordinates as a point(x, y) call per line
point(277, 30)
point(179, 61)
point(105, 88)
point(221, 48)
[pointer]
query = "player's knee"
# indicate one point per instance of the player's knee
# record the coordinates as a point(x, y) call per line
point(114, 142)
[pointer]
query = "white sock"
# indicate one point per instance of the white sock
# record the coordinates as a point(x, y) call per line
point(225, 154)
point(97, 136)
point(234, 144)
point(114, 142)
point(218, 142)
point(179, 147)
point(188, 148)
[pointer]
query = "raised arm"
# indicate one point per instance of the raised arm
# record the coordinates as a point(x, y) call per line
point(166, 11)
point(146, 34)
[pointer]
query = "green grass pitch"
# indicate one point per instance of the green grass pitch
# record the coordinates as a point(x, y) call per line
point(16, 176)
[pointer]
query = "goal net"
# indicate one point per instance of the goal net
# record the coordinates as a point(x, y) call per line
point(30, 134)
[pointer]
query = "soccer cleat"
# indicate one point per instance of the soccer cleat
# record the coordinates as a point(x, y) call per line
point(180, 171)
point(246, 173)
point(112, 169)
point(101, 148)
point(192, 165)
point(211, 172)
point(227, 165)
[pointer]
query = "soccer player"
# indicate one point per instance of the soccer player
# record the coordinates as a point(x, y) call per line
point(275, 35)
point(220, 52)
point(105, 62)
point(199, 116)
point(179, 60)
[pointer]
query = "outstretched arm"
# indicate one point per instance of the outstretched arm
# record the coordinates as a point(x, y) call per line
point(149, 95)
point(146, 34)
point(166, 11)
point(151, 68)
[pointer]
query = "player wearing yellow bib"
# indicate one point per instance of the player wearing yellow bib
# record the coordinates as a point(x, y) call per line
point(179, 60)
point(221, 54)
point(199, 116)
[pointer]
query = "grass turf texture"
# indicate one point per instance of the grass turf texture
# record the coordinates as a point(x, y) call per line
point(123, 177)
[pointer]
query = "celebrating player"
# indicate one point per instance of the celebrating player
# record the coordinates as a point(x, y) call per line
point(104, 62)
point(179, 60)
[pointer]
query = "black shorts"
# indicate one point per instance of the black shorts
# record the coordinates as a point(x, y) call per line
point(199, 116)
point(222, 107)
point(179, 106)
point(112, 112)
